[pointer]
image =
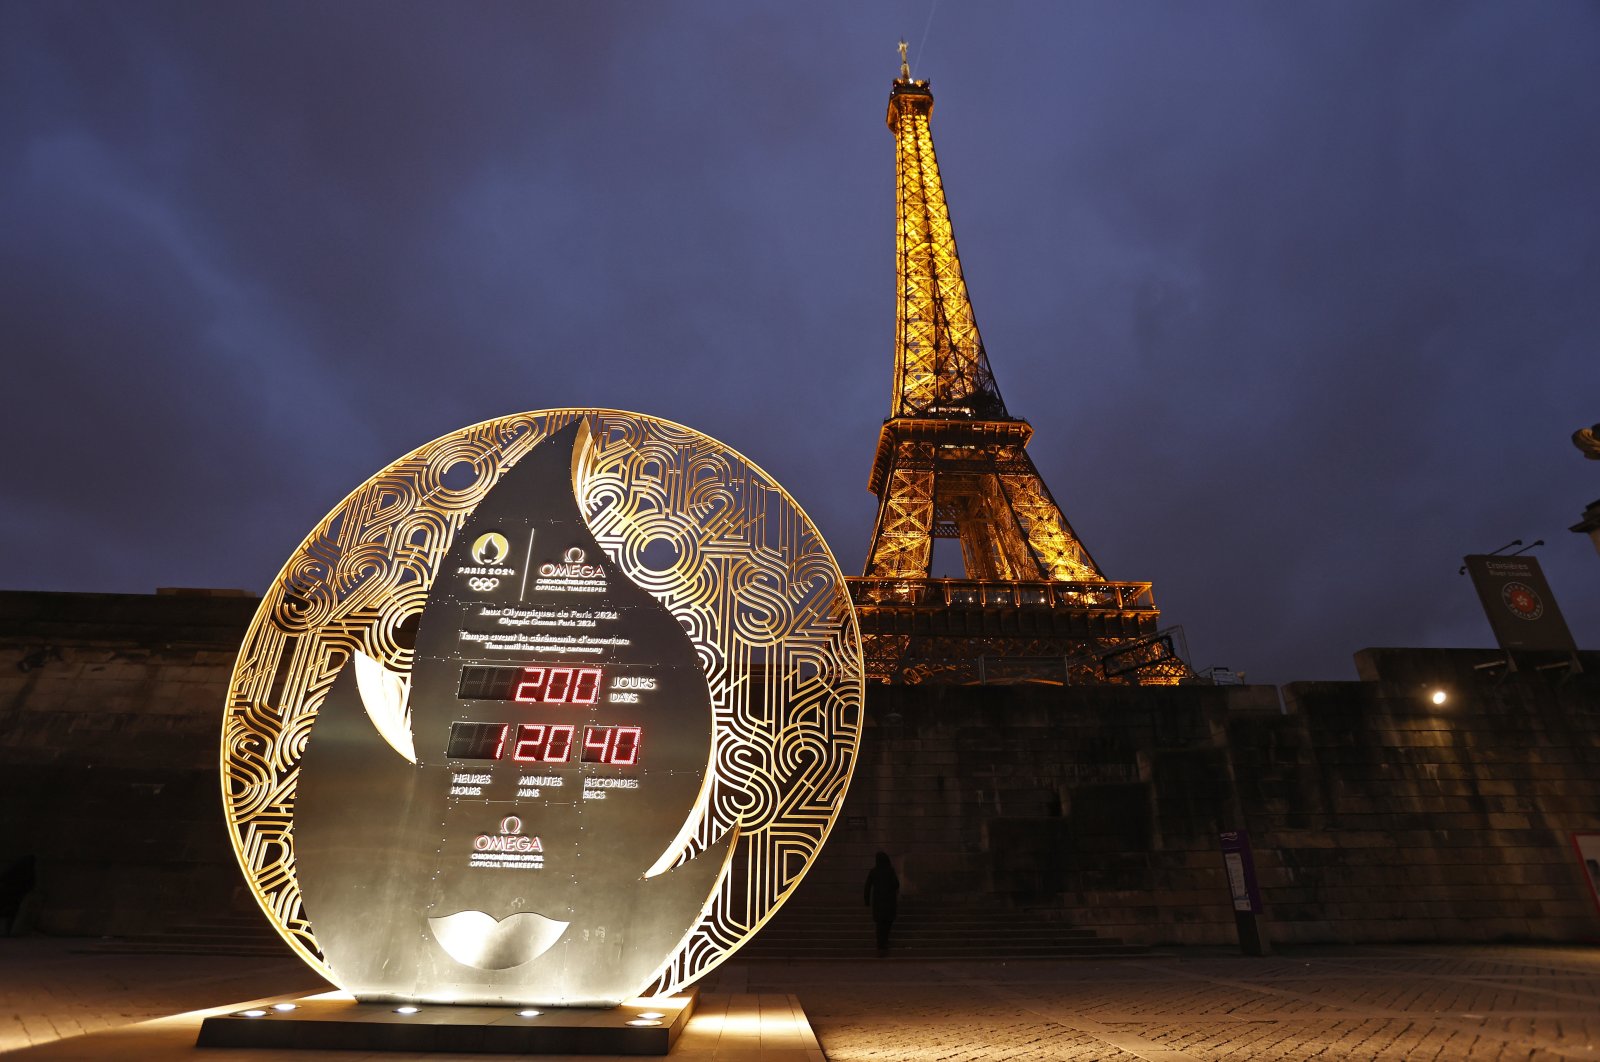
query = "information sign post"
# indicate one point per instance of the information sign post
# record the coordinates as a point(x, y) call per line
point(1244, 891)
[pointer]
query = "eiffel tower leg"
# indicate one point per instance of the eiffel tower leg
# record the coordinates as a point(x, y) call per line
point(1049, 535)
point(902, 543)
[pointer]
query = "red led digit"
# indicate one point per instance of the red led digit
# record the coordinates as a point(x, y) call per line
point(559, 745)
point(532, 687)
point(559, 687)
point(625, 747)
point(616, 745)
point(586, 690)
point(530, 742)
point(540, 743)
point(500, 747)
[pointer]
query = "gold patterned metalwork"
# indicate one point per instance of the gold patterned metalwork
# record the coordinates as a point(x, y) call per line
point(951, 461)
point(753, 584)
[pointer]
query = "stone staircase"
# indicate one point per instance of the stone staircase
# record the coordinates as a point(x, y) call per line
point(930, 933)
point(245, 935)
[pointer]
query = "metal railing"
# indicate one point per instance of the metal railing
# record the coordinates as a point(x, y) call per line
point(1160, 658)
point(976, 593)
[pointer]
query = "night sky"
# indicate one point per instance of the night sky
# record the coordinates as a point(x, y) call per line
point(1301, 299)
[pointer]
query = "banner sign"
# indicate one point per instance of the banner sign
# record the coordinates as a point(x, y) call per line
point(1241, 872)
point(1587, 845)
point(1521, 609)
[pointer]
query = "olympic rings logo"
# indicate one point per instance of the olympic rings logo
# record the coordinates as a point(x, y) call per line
point(481, 584)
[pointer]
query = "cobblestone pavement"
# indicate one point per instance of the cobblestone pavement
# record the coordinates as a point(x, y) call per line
point(1414, 1003)
point(51, 989)
point(1419, 1003)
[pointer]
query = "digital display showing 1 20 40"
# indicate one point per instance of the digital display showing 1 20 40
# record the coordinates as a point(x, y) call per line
point(536, 684)
point(543, 742)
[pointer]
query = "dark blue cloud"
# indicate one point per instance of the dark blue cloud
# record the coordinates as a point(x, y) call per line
point(1299, 299)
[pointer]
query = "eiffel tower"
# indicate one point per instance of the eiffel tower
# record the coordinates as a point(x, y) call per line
point(951, 463)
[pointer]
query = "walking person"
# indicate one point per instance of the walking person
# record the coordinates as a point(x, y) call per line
point(883, 896)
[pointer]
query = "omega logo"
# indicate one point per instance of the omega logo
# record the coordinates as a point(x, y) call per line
point(572, 566)
point(509, 839)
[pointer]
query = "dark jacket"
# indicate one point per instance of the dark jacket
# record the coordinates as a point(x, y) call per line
point(882, 892)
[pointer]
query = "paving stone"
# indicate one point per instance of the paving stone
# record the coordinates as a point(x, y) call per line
point(1415, 1003)
point(1359, 1003)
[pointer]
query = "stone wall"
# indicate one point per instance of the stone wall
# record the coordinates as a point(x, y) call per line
point(1374, 814)
point(1380, 816)
point(110, 717)
point(1100, 806)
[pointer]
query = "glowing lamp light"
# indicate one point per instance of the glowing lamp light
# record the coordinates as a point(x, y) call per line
point(1438, 696)
point(252, 1014)
point(652, 1014)
point(283, 1006)
point(406, 1010)
point(528, 1013)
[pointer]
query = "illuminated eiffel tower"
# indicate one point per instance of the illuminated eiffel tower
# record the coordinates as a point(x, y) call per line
point(951, 463)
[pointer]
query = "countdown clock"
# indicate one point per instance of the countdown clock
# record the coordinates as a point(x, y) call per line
point(555, 710)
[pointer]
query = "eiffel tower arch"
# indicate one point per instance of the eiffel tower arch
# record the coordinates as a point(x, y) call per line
point(952, 463)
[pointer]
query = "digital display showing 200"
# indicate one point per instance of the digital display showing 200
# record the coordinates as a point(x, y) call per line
point(543, 742)
point(531, 685)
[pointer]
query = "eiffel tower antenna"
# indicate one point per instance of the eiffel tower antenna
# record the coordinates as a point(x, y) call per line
point(951, 463)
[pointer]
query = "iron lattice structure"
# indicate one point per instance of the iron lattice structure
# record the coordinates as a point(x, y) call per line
point(952, 463)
